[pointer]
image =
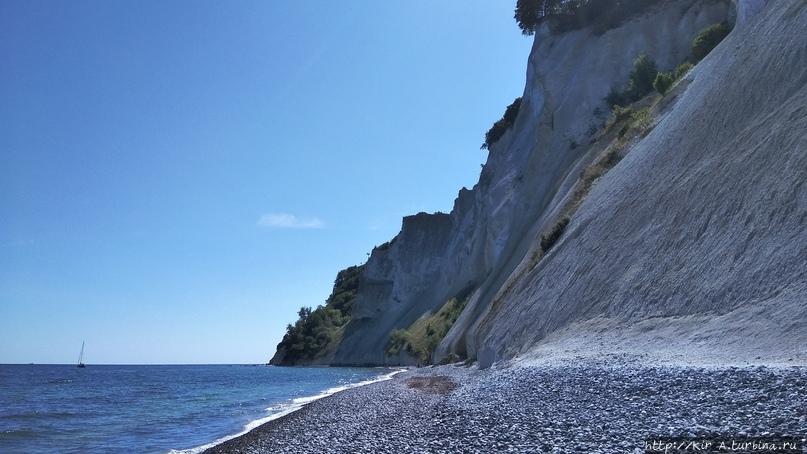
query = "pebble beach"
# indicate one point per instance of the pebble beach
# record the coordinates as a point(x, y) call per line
point(614, 406)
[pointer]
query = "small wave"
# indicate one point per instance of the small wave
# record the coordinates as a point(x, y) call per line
point(18, 434)
point(59, 381)
point(282, 410)
point(331, 391)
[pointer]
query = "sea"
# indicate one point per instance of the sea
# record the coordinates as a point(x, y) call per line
point(182, 409)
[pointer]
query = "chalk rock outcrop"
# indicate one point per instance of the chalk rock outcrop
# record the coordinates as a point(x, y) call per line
point(697, 240)
point(530, 170)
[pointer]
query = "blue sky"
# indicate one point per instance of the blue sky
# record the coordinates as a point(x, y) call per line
point(178, 178)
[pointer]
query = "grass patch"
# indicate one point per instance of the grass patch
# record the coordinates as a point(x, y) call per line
point(618, 116)
point(422, 337)
point(641, 119)
point(628, 123)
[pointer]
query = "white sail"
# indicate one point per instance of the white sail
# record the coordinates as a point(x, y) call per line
point(81, 356)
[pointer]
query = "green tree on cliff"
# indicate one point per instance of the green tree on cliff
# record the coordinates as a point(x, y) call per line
point(708, 39)
point(601, 15)
point(503, 124)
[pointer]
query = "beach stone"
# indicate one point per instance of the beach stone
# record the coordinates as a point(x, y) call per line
point(536, 409)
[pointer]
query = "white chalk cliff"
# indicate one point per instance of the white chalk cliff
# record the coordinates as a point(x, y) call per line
point(696, 240)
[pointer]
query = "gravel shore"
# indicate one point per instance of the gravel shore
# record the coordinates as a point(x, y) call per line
point(591, 406)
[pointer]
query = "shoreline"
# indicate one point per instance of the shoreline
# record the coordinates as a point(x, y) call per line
point(294, 405)
point(383, 397)
point(569, 405)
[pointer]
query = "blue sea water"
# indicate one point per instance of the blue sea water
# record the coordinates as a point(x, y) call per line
point(153, 409)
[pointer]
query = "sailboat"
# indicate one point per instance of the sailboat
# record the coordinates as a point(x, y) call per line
point(81, 356)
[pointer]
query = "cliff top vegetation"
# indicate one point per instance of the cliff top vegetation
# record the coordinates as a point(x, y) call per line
point(317, 332)
point(601, 15)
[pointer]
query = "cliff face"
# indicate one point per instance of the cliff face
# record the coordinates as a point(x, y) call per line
point(697, 239)
point(403, 281)
point(705, 217)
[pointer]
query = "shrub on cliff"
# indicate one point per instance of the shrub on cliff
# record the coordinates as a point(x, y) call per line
point(387, 245)
point(663, 82)
point(503, 124)
point(683, 69)
point(615, 98)
point(548, 240)
point(642, 77)
point(708, 39)
point(640, 83)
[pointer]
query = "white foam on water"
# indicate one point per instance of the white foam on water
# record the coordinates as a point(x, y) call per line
point(284, 409)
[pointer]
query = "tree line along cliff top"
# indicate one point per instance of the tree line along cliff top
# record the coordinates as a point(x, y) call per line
point(567, 15)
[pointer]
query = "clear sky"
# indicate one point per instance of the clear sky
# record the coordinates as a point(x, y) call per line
point(178, 178)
